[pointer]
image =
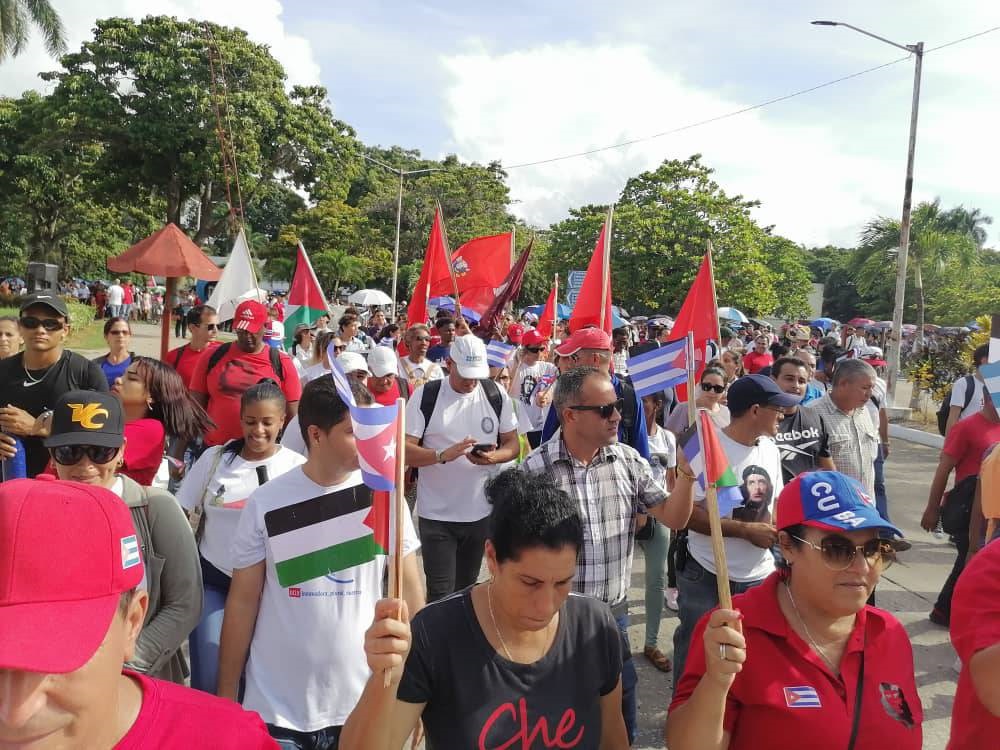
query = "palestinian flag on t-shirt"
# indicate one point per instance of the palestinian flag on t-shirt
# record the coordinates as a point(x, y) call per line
point(327, 534)
point(305, 297)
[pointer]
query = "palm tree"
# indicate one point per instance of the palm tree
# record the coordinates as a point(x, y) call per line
point(15, 19)
point(969, 221)
point(336, 267)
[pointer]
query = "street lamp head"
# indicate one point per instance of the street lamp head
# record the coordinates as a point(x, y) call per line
point(825, 23)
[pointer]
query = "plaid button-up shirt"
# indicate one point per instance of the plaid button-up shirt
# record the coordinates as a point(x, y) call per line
point(853, 440)
point(610, 492)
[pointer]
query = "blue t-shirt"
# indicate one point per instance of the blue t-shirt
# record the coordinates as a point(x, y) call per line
point(438, 354)
point(113, 372)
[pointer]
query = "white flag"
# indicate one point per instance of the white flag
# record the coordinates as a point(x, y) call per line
point(237, 283)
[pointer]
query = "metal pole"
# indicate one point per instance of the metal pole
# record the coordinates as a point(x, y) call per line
point(395, 256)
point(904, 233)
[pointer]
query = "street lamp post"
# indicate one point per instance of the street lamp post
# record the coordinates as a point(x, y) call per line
point(399, 217)
point(896, 337)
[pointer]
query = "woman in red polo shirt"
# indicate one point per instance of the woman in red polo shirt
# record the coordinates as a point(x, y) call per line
point(803, 659)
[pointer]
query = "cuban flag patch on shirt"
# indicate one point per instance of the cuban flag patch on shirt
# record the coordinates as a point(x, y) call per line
point(130, 552)
point(802, 697)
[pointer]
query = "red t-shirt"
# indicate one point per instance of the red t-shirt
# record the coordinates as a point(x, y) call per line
point(232, 375)
point(389, 397)
point(184, 358)
point(967, 443)
point(144, 440)
point(786, 691)
point(975, 625)
point(754, 362)
point(179, 718)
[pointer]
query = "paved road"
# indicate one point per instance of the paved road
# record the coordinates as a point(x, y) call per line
point(908, 590)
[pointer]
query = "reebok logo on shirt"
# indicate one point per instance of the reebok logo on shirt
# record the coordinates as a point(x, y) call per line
point(783, 437)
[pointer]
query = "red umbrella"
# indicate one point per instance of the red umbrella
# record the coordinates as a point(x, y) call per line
point(169, 253)
point(860, 322)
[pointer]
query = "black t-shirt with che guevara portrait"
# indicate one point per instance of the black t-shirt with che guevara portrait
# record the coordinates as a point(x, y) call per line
point(477, 699)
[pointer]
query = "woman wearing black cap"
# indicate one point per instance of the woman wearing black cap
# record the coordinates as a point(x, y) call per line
point(802, 655)
point(87, 445)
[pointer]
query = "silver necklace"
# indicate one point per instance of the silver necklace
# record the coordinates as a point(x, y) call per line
point(33, 380)
point(812, 640)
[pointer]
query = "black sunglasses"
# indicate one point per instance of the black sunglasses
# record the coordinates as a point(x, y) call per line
point(534, 349)
point(339, 348)
point(707, 387)
point(49, 324)
point(604, 410)
point(209, 326)
point(838, 553)
point(67, 455)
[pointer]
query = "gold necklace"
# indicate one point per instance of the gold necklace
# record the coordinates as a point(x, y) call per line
point(503, 643)
point(812, 640)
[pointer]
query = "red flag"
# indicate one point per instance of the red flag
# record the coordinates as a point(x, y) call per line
point(435, 262)
point(593, 305)
point(547, 318)
point(507, 292)
point(700, 316)
point(480, 262)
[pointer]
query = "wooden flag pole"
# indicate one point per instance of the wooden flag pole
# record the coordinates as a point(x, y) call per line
point(396, 516)
point(606, 267)
point(555, 308)
point(718, 547)
point(447, 258)
point(689, 366)
point(715, 299)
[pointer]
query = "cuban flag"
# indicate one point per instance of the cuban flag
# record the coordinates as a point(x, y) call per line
point(658, 369)
point(802, 697)
point(498, 353)
point(374, 433)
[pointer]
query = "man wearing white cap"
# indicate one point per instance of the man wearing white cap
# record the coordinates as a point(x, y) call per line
point(457, 430)
point(384, 382)
point(354, 366)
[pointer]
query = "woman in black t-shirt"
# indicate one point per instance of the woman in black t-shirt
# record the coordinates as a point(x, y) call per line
point(516, 661)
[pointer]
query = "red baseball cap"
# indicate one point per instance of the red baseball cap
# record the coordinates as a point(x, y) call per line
point(585, 338)
point(533, 338)
point(67, 553)
point(250, 316)
point(515, 332)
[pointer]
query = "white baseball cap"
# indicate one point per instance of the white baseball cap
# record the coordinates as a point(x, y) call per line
point(352, 362)
point(382, 361)
point(469, 355)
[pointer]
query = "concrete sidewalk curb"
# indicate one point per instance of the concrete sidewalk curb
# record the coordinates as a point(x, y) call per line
point(916, 436)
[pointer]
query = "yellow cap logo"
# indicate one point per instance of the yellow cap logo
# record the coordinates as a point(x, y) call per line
point(86, 414)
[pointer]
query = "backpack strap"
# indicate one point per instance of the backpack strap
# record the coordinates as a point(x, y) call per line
point(215, 357)
point(276, 364)
point(143, 528)
point(404, 387)
point(428, 399)
point(495, 397)
point(180, 355)
point(970, 390)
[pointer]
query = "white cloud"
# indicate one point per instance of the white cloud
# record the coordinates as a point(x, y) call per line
point(821, 170)
point(261, 19)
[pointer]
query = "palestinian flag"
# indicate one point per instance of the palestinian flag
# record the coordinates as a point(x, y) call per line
point(328, 534)
point(305, 297)
point(709, 463)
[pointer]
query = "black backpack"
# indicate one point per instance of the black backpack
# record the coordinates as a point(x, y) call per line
point(276, 364)
point(432, 389)
point(942, 412)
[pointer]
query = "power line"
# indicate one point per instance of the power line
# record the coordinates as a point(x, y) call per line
point(744, 110)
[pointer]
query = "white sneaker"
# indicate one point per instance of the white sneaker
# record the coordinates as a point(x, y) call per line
point(670, 599)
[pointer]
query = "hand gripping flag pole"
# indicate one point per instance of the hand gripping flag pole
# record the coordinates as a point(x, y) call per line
point(398, 508)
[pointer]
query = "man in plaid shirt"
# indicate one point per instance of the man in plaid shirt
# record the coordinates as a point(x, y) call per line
point(612, 484)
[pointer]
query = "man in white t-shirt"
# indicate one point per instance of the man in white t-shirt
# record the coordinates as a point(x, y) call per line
point(116, 299)
point(964, 404)
point(757, 407)
point(530, 376)
point(471, 430)
point(306, 667)
point(415, 368)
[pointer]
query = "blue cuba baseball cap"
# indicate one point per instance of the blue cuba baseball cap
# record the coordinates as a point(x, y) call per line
point(831, 501)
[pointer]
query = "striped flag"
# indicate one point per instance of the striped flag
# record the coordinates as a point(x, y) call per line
point(327, 534)
point(498, 353)
point(658, 369)
point(709, 462)
point(991, 379)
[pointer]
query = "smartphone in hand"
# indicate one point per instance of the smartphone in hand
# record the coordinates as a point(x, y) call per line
point(482, 447)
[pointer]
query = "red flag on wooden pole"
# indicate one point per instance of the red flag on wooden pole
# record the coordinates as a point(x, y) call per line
point(593, 304)
point(435, 262)
point(547, 320)
point(699, 316)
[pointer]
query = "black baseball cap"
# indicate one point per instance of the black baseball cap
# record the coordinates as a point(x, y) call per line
point(752, 390)
point(53, 301)
point(87, 418)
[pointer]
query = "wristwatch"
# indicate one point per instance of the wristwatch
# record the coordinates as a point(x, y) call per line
point(439, 455)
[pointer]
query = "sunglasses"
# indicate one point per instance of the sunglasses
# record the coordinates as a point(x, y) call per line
point(210, 326)
point(708, 387)
point(838, 553)
point(67, 455)
point(534, 349)
point(31, 323)
point(604, 410)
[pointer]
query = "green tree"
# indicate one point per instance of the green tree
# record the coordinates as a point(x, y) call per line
point(16, 19)
point(337, 267)
point(158, 133)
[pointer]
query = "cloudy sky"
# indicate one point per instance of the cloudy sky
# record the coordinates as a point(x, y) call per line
point(526, 81)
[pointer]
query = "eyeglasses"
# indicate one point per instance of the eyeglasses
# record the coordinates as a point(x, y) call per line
point(209, 326)
point(708, 387)
point(67, 455)
point(534, 349)
point(838, 553)
point(604, 410)
point(49, 324)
